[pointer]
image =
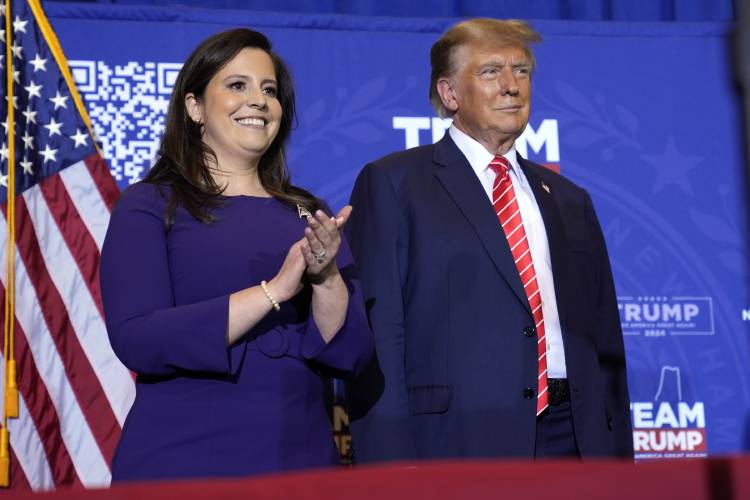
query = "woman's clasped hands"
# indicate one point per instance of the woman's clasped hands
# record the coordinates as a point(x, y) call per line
point(313, 256)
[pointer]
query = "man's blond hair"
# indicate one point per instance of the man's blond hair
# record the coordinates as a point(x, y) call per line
point(510, 32)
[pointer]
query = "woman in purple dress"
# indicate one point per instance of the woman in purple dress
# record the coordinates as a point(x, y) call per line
point(228, 291)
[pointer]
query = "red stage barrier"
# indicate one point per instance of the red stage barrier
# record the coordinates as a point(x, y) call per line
point(714, 479)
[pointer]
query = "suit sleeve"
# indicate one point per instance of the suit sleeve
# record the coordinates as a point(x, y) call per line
point(378, 399)
point(610, 345)
point(147, 331)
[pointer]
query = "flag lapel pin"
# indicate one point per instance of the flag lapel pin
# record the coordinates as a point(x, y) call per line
point(303, 212)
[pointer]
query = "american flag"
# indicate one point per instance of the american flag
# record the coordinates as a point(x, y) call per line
point(74, 393)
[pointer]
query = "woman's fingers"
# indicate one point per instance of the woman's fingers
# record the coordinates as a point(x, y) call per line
point(288, 281)
point(343, 216)
point(308, 256)
point(325, 228)
point(296, 251)
point(323, 240)
point(314, 244)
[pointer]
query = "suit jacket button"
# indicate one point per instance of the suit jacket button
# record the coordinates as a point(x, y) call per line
point(528, 393)
point(529, 331)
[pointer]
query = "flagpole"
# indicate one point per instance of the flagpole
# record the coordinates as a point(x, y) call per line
point(10, 391)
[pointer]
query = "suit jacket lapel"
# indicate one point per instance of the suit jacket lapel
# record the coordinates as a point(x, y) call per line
point(458, 178)
point(556, 239)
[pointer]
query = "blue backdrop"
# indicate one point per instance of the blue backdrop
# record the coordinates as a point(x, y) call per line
point(585, 10)
point(644, 116)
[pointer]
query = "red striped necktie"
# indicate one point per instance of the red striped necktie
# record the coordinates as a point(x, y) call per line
point(506, 207)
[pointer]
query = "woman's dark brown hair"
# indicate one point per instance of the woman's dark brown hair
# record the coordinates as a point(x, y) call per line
point(181, 165)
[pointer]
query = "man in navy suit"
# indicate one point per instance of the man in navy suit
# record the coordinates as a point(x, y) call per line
point(487, 282)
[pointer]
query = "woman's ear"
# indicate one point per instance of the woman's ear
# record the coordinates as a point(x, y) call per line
point(194, 108)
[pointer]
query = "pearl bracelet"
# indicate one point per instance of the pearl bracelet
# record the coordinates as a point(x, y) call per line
point(274, 303)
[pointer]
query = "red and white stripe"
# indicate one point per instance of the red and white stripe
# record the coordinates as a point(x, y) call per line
point(509, 215)
point(74, 393)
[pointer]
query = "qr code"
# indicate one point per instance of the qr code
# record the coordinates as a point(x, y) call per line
point(127, 105)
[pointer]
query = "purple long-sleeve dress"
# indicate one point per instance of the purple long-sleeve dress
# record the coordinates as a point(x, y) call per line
point(201, 408)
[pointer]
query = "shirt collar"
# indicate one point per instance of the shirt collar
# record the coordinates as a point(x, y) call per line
point(479, 158)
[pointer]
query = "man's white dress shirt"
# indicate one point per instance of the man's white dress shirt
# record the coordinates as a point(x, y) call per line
point(479, 159)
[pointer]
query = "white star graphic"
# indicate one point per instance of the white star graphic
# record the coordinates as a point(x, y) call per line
point(1, 60)
point(2, 32)
point(38, 63)
point(48, 153)
point(16, 50)
point(28, 141)
point(53, 127)
point(59, 100)
point(80, 138)
point(4, 180)
point(16, 76)
point(5, 126)
point(4, 152)
point(19, 25)
point(33, 89)
point(26, 165)
point(29, 115)
point(15, 101)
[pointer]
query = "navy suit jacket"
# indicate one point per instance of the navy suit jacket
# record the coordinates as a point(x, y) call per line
point(448, 311)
